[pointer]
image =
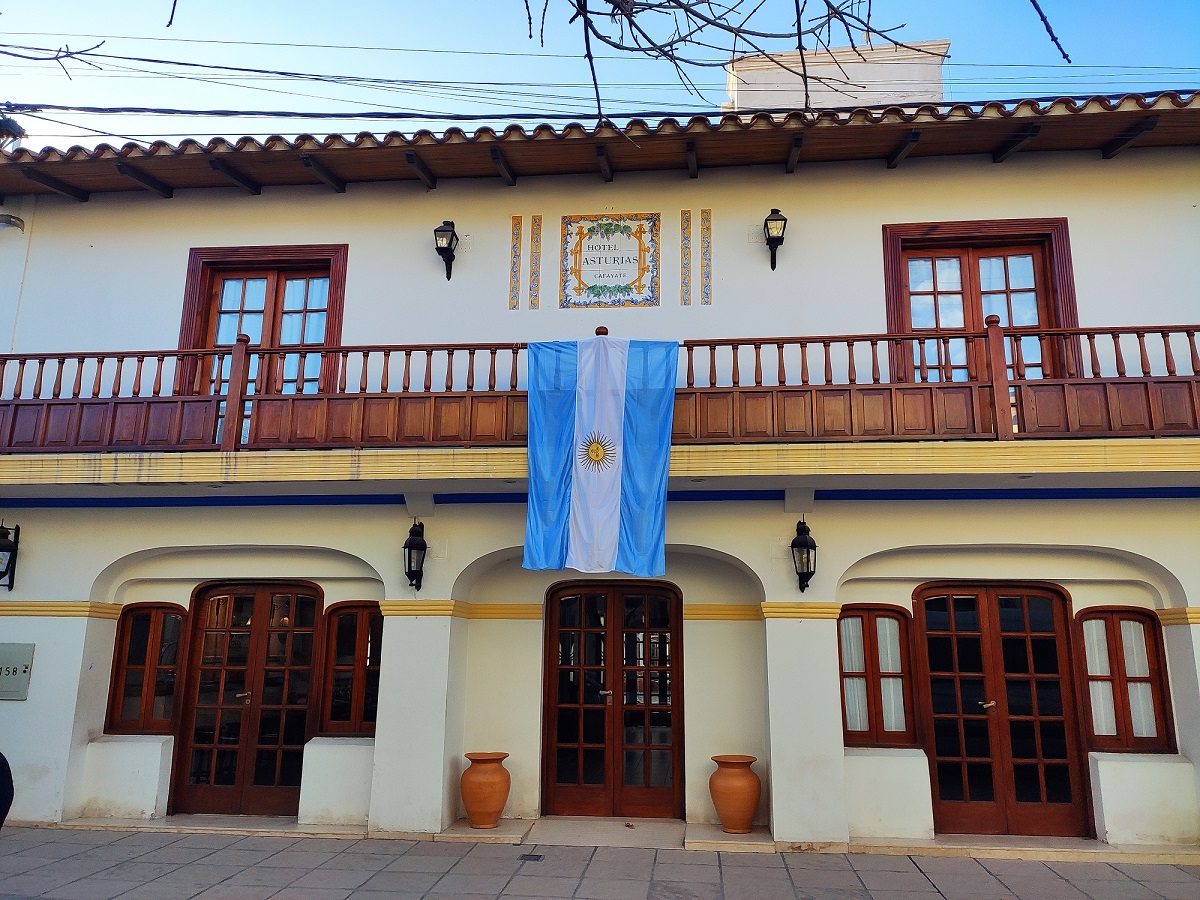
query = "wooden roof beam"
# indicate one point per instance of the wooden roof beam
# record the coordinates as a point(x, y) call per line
point(418, 165)
point(904, 148)
point(1015, 142)
point(55, 184)
point(149, 182)
point(793, 156)
point(693, 161)
point(245, 182)
point(502, 166)
point(605, 164)
point(319, 169)
point(1128, 136)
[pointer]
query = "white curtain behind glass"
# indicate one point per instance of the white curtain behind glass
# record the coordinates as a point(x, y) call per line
point(854, 689)
point(887, 631)
point(1137, 665)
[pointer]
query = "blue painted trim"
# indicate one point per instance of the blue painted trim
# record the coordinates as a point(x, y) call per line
point(1098, 493)
point(763, 496)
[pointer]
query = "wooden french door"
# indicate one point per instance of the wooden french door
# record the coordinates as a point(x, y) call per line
point(247, 710)
point(950, 292)
point(613, 717)
point(999, 719)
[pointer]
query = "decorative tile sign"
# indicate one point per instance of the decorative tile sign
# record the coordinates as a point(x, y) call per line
point(16, 664)
point(610, 260)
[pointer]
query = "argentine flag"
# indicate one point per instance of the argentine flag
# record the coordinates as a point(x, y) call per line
point(600, 416)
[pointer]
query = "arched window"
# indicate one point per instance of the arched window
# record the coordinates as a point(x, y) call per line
point(145, 668)
point(354, 632)
point(876, 676)
point(1127, 693)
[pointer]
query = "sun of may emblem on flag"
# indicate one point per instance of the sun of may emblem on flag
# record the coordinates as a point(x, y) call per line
point(597, 452)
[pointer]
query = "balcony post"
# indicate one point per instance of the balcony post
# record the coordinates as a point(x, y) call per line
point(236, 395)
point(998, 370)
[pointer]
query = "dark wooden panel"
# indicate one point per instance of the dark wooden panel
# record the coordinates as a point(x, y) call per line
point(343, 421)
point(518, 417)
point(1130, 407)
point(1176, 404)
point(270, 421)
point(415, 415)
point(1087, 408)
point(129, 423)
point(872, 410)
point(6, 413)
point(162, 424)
point(716, 416)
point(379, 420)
point(756, 414)
point(94, 423)
point(832, 416)
point(1044, 409)
point(683, 423)
point(914, 411)
point(27, 425)
point(197, 422)
point(59, 429)
point(450, 419)
point(794, 414)
point(954, 411)
point(308, 415)
point(488, 419)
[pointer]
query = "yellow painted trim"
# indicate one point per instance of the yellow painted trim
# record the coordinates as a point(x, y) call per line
point(522, 611)
point(721, 612)
point(67, 609)
point(1188, 615)
point(801, 610)
point(1102, 455)
point(421, 607)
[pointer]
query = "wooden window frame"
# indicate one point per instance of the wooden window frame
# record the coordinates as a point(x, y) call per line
point(875, 736)
point(356, 726)
point(144, 724)
point(1052, 234)
point(1124, 740)
point(206, 263)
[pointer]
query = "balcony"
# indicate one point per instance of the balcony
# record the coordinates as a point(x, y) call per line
point(998, 384)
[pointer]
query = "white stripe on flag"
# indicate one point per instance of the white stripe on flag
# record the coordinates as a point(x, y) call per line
point(594, 527)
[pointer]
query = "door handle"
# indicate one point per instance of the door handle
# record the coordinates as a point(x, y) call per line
point(247, 695)
point(987, 705)
point(605, 693)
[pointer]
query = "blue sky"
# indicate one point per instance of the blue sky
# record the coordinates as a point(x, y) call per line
point(475, 57)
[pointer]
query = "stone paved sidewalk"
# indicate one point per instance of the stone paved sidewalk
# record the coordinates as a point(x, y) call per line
point(75, 864)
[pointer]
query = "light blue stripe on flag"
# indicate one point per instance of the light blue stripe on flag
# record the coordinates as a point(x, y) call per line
point(649, 410)
point(622, 524)
point(551, 416)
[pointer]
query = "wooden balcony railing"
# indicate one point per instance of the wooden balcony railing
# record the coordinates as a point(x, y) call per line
point(1142, 382)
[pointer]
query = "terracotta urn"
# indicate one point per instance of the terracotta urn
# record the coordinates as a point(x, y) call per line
point(484, 787)
point(735, 790)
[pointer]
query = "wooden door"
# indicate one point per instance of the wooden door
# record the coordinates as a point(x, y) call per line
point(613, 723)
point(248, 710)
point(1000, 727)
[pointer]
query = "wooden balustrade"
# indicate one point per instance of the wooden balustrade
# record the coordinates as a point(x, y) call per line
point(1142, 381)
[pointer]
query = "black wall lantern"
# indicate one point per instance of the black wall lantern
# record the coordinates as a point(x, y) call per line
point(9, 538)
point(804, 554)
point(414, 554)
point(774, 226)
point(445, 240)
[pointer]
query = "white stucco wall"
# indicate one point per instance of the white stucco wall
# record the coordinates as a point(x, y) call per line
point(335, 783)
point(128, 252)
point(127, 776)
point(1144, 798)
point(888, 793)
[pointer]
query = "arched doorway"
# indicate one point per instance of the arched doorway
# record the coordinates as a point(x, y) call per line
point(999, 710)
point(248, 703)
point(612, 741)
